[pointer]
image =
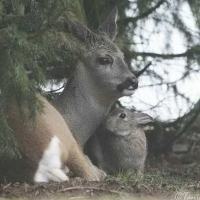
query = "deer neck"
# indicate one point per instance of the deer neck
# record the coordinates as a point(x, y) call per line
point(82, 106)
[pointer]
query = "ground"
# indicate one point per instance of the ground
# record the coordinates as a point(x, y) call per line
point(166, 177)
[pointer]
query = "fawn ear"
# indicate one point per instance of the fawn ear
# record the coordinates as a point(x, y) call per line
point(143, 118)
point(109, 26)
point(81, 32)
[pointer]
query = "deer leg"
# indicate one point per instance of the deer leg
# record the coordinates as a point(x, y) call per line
point(99, 172)
point(80, 166)
point(47, 175)
point(57, 175)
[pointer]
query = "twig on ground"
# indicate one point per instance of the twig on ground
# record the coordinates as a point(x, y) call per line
point(146, 187)
point(7, 185)
point(90, 188)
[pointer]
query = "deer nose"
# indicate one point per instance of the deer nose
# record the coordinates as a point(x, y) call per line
point(133, 82)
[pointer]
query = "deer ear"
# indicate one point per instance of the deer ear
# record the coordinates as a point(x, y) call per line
point(109, 26)
point(81, 32)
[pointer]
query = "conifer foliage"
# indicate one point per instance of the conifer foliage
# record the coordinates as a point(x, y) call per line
point(32, 40)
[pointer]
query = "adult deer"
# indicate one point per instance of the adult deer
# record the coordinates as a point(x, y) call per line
point(99, 79)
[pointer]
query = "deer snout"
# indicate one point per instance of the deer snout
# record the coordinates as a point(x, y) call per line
point(128, 87)
point(133, 81)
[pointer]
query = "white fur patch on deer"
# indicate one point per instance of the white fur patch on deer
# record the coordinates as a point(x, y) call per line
point(49, 168)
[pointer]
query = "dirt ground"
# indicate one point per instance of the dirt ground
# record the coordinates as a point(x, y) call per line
point(170, 177)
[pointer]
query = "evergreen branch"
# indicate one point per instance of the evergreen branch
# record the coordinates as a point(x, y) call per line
point(10, 19)
point(165, 56)
point(153, 106)
point(143, 70)
point(56, 90)
point(190, 52)
point(144, 14)
point(172, 82)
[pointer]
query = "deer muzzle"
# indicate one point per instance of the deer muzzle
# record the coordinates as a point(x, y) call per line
point(128, 87)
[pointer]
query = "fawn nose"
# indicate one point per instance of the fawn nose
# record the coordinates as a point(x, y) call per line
point(133, 81)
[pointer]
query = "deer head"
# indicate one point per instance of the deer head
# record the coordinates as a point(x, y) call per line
point(104, 62)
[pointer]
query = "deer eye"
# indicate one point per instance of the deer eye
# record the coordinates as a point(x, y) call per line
point(104, 61)
point(122, 116)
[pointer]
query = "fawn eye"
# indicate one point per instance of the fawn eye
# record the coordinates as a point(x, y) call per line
point(104, 61)
point(122, 116)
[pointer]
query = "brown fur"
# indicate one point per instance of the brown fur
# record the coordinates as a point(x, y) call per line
point(33, 141)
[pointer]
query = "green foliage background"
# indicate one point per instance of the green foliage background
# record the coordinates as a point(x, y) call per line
point(32, 40)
